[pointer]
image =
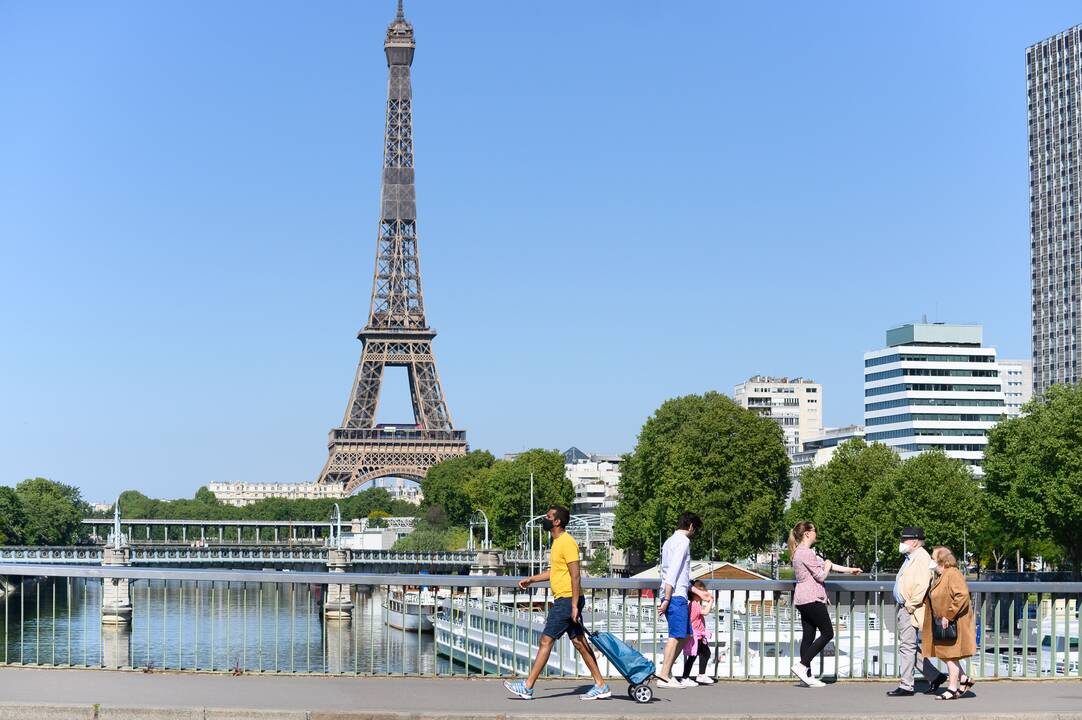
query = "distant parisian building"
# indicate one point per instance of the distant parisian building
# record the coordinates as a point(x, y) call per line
point(933, 386)
point(596, 480)
point(1054, 87)
point(795, 404)
point(1017, 381)
point(240, 494)
point(818, 450)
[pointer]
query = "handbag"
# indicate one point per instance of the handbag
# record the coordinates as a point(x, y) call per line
point(940, 633)
point(944, 633)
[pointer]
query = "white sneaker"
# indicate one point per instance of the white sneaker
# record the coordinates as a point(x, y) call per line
point(815, 682)
point(802, 673)
point(671, 684)
point(704, 680)
point(688, 682)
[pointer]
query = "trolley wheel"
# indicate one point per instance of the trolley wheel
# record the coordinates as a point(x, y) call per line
point(641, 693)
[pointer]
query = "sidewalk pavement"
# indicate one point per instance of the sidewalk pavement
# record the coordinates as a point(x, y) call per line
point(60, 694)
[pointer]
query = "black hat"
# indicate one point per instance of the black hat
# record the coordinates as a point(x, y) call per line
point(912, 533)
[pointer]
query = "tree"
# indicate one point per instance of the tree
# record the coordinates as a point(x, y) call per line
point(833, 497)
point(422, 540)
point(503, 492)
point(932, 491)
point(12, 517)
point(447, 483)
point(436, 518)
point(53, 512)
point(1033, 471)
point(706, 454)
point(378, 519)
point(598, 564)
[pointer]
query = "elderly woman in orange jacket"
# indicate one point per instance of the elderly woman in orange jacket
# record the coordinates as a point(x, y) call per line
point(949, 601)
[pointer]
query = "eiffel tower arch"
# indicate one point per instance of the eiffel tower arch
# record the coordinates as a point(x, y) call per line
point(397, 334)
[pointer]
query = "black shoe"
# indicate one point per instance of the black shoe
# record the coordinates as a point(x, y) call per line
point(900, 692)
point(933, 687)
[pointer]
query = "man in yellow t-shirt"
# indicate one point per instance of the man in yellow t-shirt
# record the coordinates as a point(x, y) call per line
point(566, 612)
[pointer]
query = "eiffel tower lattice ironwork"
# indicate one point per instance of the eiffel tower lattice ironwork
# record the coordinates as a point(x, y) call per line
point(397, 333)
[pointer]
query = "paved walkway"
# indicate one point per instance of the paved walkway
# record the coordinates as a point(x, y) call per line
point(59, 694)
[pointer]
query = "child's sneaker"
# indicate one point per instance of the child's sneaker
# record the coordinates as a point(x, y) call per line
point(597, 692)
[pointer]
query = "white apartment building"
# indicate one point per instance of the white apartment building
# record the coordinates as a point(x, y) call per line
point(933, 386)
point(242, 493)
point(1017, 381)
point(795, 404)
point(596, 479)
point(818, 450)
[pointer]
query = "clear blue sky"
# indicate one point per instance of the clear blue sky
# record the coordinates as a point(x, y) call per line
point(619, 202)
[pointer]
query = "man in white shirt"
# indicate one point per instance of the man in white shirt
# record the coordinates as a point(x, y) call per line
point(675, 581)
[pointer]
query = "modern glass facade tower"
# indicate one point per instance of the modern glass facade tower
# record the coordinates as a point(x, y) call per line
point(1054, 83)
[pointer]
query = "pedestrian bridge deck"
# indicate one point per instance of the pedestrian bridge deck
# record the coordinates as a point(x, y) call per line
point(33, 692)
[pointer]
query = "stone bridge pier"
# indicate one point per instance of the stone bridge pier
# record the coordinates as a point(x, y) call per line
point(116, 605)
point(339, 602)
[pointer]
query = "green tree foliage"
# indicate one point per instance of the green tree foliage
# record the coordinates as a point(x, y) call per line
point(833, 496)
point(378, 519)
point(52, 512)
point(598, 564)
point(932, 491)
point(1033, 472)
point(448, 484)
point(425, 539)
point(503, 492)
point(706, 454)
point(12, 518)
point(865, 491)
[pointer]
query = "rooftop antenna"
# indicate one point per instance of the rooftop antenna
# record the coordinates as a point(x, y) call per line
point(401, 12)
point(924, 318)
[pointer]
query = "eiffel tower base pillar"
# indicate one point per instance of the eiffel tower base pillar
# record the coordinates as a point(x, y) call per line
point(339, 603)
point(116, 606)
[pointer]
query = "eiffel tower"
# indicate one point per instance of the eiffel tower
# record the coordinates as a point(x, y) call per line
point(397, 334)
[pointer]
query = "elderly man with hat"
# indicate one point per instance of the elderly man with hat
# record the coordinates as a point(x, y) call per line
point(910, 589)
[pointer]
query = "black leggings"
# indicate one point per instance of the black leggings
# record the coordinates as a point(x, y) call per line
point(813, 617)
point(703, 653)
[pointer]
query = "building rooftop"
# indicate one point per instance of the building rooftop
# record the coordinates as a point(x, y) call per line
point(935, 334)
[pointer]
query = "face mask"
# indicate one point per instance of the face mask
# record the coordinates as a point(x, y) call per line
point(903, 548)
point(933, 566)
point(547, 524)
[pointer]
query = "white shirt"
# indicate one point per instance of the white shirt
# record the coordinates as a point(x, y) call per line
point(676, 564)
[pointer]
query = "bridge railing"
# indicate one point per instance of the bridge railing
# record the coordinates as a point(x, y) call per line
point(250, 621)
point(239, 554)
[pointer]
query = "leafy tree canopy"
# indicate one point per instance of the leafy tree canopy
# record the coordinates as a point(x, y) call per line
point(1033, 471)
point(706, 454)
point(52, 512)
point(447, 484)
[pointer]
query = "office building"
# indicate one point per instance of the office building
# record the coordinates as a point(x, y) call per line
point(1054, 86)
point(795, 404)
point(818, 450)
point(1016, 377)
point(933, 386)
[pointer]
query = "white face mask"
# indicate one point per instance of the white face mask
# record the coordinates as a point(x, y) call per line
point(903, 548)
point(933, 566)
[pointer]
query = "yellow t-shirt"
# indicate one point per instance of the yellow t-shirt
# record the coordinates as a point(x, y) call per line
point(564, 550)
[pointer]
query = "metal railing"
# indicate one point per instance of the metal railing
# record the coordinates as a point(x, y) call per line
point(162, 555)
point(247, 621)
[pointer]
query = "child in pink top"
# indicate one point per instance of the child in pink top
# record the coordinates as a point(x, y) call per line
point(699, 646)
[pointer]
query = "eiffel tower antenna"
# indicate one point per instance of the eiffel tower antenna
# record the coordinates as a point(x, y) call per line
point(397, 333)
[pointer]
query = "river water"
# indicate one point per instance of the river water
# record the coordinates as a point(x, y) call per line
point(235, 626)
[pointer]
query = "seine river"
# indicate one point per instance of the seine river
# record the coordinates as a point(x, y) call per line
point(228, 627)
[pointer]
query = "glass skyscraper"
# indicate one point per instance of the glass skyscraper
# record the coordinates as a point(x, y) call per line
point(1054, 83)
